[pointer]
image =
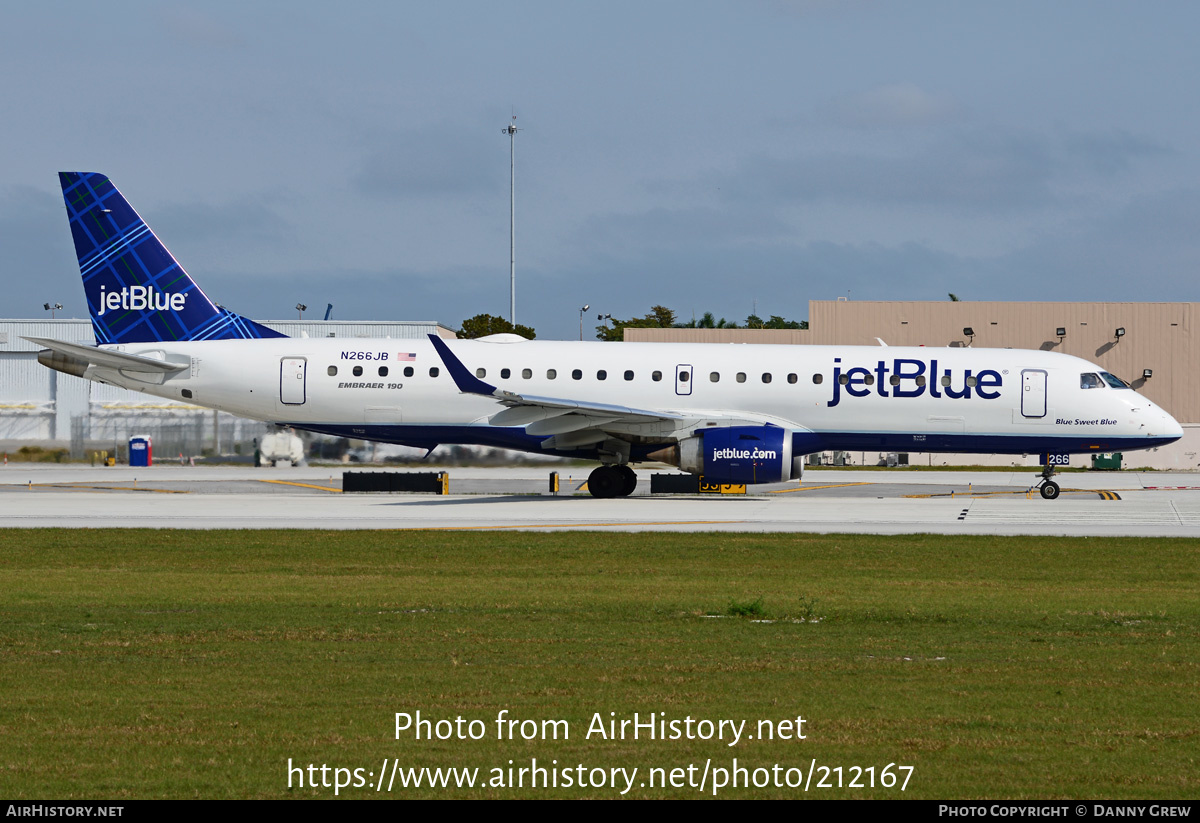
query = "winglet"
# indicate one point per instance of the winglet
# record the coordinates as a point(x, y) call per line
point(467, 383)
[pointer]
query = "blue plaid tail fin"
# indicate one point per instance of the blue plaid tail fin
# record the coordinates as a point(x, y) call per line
point(136, 291)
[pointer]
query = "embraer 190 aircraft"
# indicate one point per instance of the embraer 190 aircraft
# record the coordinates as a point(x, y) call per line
point(735, 413)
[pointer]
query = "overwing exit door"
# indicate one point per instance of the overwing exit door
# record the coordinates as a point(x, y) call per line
point(683, 380)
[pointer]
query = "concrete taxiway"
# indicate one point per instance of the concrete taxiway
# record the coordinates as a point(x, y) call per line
point(881, 502)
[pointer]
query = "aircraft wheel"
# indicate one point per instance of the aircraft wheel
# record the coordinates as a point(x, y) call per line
point(629, 478)
point(1050, 490)
point(605, 481)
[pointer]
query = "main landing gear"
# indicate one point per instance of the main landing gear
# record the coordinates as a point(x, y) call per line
point(1048, 487)
point(612, 481)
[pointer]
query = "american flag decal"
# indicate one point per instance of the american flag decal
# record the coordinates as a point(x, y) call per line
point(406, 355)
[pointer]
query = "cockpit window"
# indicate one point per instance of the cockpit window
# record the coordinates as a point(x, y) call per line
point(1114, 381)
point(1090, 381)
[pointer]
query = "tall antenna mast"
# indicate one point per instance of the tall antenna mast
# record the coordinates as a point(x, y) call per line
point(511, 130)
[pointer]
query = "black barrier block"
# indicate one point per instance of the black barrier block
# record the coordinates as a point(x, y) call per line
point(430, 482)
point(674, 484)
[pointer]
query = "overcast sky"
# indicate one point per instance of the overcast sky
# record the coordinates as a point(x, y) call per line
point(700, 155)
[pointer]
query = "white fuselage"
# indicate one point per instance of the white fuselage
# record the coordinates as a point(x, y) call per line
point(852, 397)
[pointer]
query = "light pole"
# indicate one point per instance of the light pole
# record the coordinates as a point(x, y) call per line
point(51, 308)
point(581, 311)
point(300, 307)
point(511, 130)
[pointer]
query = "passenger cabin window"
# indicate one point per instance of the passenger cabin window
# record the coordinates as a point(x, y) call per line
point(481, 372)
point(741, 377)
point(1090, 381)
point(869, 379)
point(383, 371)
point(601, 375)
point(332, 371)
point(434, 372)
point(818, 379)
point(715, 377)
point(628, 374)
point(792, 378)
point(505, 374)
point(656, 376)
point(766, 378)
point(526, 374)
point(408, 371)
point(551, 374)
point(358, 371)
point(894, 380)
point(972, 380)
point(843, 379)
point(576, 375)
point(920, 380)
point(945, 380)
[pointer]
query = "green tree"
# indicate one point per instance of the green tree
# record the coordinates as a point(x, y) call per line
point(481, 325)
point(777, 322)
point(659, 317)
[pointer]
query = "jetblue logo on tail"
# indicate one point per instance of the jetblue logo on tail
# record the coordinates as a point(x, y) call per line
point(140, 298)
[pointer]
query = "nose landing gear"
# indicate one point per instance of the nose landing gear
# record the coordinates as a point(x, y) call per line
point(1048, 488)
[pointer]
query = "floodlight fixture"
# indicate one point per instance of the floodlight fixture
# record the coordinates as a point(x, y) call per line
point(584, 308)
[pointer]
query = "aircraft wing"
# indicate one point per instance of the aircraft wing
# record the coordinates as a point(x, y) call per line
point(106, 358)
point(525, 409)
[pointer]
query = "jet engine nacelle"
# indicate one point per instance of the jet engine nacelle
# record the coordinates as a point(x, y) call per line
point(741, 454)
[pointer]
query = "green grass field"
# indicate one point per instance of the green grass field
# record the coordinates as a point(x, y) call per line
point(195, 664)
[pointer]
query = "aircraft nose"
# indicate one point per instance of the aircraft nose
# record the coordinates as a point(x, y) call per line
point(1171, 427)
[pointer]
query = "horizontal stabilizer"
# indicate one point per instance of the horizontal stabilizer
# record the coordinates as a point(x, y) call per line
point(108, 359)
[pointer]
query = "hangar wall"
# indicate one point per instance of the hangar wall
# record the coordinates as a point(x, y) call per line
point(1158, 336)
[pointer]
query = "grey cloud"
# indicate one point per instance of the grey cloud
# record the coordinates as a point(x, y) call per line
point(625, 235)
point(898, 105)
point(37, 258)
point(1148, 250)
point(237, 223)
point(198, 28)
point(1111, 152)
point(980, 170)
point(433, 161)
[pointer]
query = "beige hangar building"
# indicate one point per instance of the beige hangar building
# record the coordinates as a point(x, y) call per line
point(1153, 353)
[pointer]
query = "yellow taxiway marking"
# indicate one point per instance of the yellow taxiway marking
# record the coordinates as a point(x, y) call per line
point(817, 488)
point(1104, 495)
point(302, 485)
point(566, 525)
point(81, 487)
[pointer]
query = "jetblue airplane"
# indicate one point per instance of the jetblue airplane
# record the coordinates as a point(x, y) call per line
point(734, 413)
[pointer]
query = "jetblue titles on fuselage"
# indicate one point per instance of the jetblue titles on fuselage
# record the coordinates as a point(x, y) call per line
point(913, 378)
